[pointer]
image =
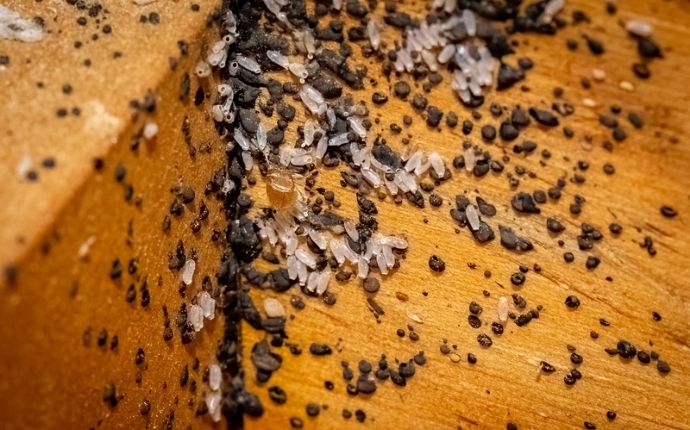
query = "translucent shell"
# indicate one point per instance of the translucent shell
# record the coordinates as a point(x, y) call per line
point(281, 189)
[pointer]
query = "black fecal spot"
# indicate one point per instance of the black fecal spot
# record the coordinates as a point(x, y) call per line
point(385, 155)
point(243, 239)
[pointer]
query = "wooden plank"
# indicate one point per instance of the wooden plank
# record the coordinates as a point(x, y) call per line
point(505, 384)
point(57, 382)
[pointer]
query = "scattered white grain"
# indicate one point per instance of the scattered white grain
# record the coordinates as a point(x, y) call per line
point(322, 282)
point(338, 140)
point(351, 231)
point(318, 238)
point(313, 99)
point(392, 241)
point(195, 317)
point(551, 9)
point(207, 304)
point(371, 177)
point(437, 164)
point(639, 28)
point(150, 130)
point(278, 58)
point(587, 102)
point(357, 127)
point(374, 34)
point(298, 70)
point(446, 54)
point(470, 159)
point(503, 309)
point(187, 272)
point(598, 74)
point(248, 63)
point(215, 377)
point(241, 139)
point(309, 128)
point(213, 400)
point(306, 257)
point(626, 86)
point(321, 147)
point(85, 247)
point(414, 317)
point(202, 69)
point(273, 308)
point(470, 22)
point(472, 217)
point(24, 166)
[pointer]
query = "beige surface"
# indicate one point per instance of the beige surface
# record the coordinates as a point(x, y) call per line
point(56, 382)
point(51, 380)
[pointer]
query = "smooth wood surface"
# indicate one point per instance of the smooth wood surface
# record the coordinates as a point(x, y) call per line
point(52, 381)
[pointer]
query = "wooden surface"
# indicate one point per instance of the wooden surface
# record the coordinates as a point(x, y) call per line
point(56, 382)
point(505, 385)
point(52, 379)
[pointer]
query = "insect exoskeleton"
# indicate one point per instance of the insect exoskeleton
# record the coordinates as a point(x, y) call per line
point(281, 188)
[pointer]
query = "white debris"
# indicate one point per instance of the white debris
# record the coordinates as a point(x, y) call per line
point(150, 130)
point(437, 164)
point(503, 309)
point(322, 282)
point(588, 102)
point(248, 63)
point(639, 28)
point(14, 27)
point(306, 257)
point(273, 308)
point(187, 272)
point(85, 247)
point(470, 159)
point(278, 58)
point(470, 22)
point(374, 34)
point(414, 317)
point(195, 317)
point(318, 238)
point(472, 217)
point(598, 74)
point(202, 69)
point(551, 9)
point(215, 377)
point(626, 86)
point(24, 166)
point(207, 304)
point(338, 140)
point(357, 126)
point(241, 139)
point(313, 99)
point(213, 400)
point(298, 70)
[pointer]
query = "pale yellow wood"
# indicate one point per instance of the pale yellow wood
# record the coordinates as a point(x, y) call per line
point(506, 385)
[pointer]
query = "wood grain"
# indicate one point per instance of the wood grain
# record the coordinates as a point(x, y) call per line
point(52, 381)
point(505, 385)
